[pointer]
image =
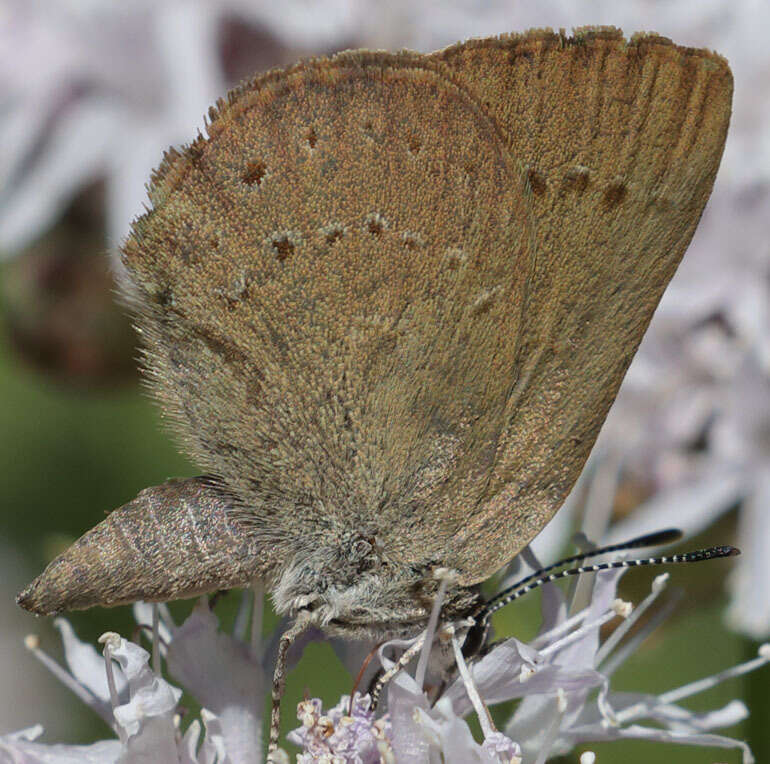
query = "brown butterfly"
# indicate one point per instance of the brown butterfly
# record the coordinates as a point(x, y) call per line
point(387, 303)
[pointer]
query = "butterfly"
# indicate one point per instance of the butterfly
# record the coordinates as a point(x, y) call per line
point(386, 302)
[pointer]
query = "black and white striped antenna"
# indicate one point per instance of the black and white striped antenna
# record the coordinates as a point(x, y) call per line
point(545, 576)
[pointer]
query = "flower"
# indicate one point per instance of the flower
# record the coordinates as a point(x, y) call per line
point(21, 748)
point(218, 669)
point(562, 679)
point(348, 731)
point(96, 89)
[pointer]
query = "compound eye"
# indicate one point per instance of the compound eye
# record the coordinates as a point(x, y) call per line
point(361, 548)
point(306, 604)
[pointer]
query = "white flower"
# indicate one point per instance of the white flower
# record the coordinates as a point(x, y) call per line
point(219, 670)
point(549, 726)
point(229, 681)
point(20, 748)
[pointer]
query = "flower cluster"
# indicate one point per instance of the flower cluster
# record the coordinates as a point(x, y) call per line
point(561, 680)
point(348, 731)
point(219, 670)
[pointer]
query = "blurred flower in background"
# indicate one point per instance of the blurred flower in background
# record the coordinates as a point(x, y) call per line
point(91, 94)
point(93, 91)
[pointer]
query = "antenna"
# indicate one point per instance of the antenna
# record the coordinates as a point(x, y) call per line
point(526, 585)
point(657, 538)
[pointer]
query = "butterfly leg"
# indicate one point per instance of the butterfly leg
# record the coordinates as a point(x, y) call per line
point(279, 679)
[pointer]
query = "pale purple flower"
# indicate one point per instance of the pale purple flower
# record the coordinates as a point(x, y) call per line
point(349, 735)
point(94, 89)
point(562, 679)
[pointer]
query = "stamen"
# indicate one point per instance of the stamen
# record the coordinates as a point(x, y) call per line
point(155, 639)
point(141, 628)
point(609, 717)
point(32, 643)
point(614, 660)
point(701, 685)
point(144, 618)
point(658, 585)
point(674, 696)
point(562, 628)
point(485, 719)
point(167, 619)
point(621, 607)
point(422, 664)
point(111, 640)
point(578, 633)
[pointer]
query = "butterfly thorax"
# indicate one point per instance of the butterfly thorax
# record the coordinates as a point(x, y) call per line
point(350, 590)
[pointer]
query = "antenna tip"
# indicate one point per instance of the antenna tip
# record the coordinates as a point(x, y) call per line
point(720, 551)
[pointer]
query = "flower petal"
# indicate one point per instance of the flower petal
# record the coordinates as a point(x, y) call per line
point(18, 748)
point(224, 677)
point(85, 663)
